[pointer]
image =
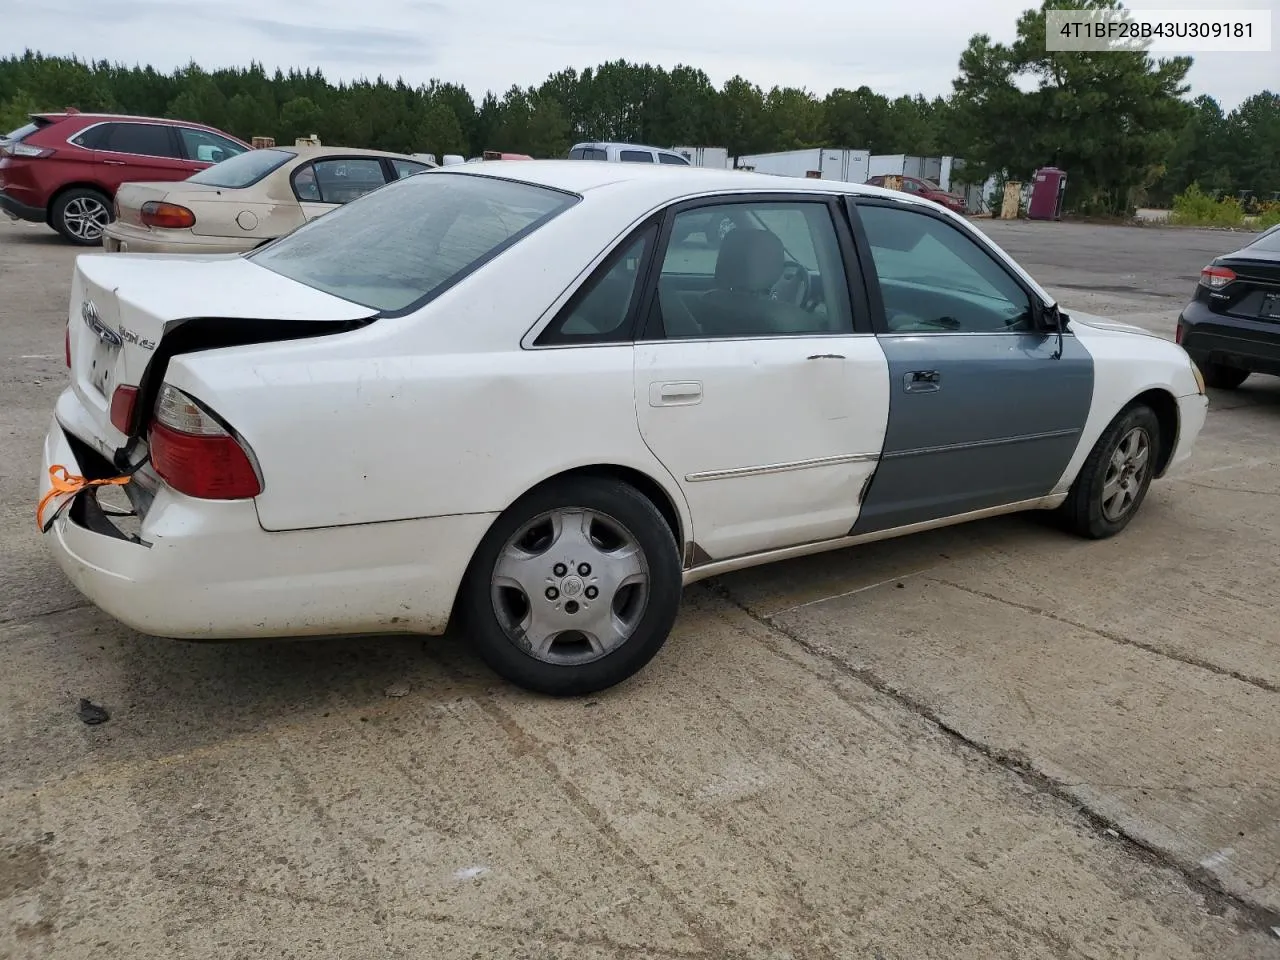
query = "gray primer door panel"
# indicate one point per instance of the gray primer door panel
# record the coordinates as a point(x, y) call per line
point(975, 421)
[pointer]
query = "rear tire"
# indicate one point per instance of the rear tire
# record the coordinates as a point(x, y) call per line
point(574, 588)
point(1222, 377)
point(81, 215)
point(1116, 475)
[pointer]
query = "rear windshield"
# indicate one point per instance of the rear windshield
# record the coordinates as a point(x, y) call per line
point(395, 248)
point(26, 130)
point(1268, 241)
point(242, 170)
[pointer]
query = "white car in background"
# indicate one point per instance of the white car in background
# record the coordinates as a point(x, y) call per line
point(501, 394)
point(626, 153)
point(249, 199)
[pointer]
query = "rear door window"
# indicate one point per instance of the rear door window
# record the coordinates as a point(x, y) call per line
point(339, 179)
point(635, 156)
point(407, 168)
point(142, 139)
point(672, 159)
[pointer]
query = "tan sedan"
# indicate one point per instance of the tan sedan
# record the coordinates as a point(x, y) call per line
point(247, 200)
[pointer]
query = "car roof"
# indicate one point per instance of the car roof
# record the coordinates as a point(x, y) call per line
point(664, 183)
point(309, 150)
point(57, 115)
point(623, 146)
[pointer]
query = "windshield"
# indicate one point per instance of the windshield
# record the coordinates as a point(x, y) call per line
point(395, 248)
point(243, 170)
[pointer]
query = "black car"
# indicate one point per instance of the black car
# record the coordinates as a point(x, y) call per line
point(1231, 327)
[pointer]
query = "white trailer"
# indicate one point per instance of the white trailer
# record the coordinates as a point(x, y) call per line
point(849, 166)
point(715, 157)
point(937, 169)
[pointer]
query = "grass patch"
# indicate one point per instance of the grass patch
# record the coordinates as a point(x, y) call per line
point(1195, 208)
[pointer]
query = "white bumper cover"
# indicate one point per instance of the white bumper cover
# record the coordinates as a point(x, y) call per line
point(207, 570)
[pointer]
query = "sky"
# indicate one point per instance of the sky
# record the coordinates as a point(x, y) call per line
point(893, 47)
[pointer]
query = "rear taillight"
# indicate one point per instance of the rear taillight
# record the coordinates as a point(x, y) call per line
point(123, 402)
point(157, 213)
point(26, 150)
point(1177, 334)
point(68, 342)
point(196, 454)
point(1215, 278)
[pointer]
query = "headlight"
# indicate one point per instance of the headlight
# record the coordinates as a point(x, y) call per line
point(1195, 370)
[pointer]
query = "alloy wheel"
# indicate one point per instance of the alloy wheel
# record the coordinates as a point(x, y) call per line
point(85, 218)
point(1126, 474)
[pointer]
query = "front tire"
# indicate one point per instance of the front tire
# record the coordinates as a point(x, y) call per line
point(81, 215)
point(1116, 475)
point(575, 588)
point(1221, 377)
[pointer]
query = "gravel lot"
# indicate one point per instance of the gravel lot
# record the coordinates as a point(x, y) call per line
point(991, 741)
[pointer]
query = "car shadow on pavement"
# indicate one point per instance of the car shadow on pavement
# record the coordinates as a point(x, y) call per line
point(1259, 391)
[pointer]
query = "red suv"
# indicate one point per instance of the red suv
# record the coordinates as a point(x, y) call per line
point(63, 168)
point(927, 189)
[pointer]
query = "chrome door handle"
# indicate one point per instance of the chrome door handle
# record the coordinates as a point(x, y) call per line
point(676, 394)
point(922, 381)
point(114, 163)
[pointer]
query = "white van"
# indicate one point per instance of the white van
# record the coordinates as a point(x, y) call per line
point(626, 153)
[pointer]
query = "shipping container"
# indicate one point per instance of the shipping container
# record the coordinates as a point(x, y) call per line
point(850, 166)
point(716, 158)
point(937, 169)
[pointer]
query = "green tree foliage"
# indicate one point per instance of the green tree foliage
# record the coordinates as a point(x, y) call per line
point(1118, 123)
point(1109, 118)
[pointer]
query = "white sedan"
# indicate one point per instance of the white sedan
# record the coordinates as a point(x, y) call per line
point(502, 394)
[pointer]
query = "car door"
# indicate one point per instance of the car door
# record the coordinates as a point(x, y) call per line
point(129, 151)
point(758, 384)
point(329, 182)
point(984, 411)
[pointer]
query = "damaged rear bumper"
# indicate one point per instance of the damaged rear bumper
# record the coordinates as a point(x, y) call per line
point(206, 570)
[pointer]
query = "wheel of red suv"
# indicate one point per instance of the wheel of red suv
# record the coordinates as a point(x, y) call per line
point(574, 588)
point(81, 215)
point(1116, 475)
point(1221, 377)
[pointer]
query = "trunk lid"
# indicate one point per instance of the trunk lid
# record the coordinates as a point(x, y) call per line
point(1254, 294)
point(131, 196)
point(129, 314)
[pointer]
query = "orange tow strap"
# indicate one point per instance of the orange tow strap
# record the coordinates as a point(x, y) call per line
point(68, 485)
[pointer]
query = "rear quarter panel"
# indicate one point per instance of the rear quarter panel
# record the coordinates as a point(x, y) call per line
point(437, 413)
point(1126, 365)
